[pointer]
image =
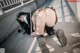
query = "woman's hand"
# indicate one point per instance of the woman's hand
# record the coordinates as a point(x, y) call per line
point(34, 34)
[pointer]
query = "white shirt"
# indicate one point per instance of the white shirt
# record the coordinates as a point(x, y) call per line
point(25, 19)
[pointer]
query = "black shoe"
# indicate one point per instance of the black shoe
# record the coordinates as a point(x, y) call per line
point(42, 44)
point(61, 37)
point(19, 30)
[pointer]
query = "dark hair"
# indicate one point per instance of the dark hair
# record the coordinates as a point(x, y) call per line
point(22, 13)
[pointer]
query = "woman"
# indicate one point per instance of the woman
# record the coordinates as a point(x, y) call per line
point(44, 19)
point(24, 20)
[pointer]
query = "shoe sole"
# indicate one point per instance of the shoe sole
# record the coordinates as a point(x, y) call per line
point(42, 45)
point(61, 37)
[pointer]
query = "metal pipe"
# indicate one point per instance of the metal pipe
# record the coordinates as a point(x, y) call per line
point(6, 2)
point(3, 3)
point(9, 2)
point(0, 4)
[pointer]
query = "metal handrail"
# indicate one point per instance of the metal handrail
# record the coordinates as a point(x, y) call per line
point(6, 3)
point(13, 2)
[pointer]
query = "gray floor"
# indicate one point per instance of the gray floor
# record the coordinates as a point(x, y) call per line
point(19, 43)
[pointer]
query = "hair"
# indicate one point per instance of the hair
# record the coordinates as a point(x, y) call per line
point(22, 13)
